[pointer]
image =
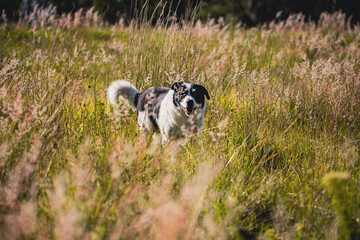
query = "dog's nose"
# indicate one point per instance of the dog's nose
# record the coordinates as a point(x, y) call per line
point(190, 104)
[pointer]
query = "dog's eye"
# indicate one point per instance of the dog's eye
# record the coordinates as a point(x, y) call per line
point(182, 90)
point(193, 91)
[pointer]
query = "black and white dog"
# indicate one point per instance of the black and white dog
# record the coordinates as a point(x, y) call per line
point(176, 111)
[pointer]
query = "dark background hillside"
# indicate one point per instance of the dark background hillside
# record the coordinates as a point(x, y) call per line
point(250, 12)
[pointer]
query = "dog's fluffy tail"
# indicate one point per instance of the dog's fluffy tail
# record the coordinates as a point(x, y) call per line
point(122, 90)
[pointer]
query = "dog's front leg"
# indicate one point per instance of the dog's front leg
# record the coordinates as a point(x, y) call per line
point(163, 139)
point(164, 134)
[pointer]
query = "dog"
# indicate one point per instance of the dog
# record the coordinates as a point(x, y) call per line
point(177, 111)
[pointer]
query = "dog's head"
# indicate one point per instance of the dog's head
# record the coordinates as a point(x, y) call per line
point(189, 96)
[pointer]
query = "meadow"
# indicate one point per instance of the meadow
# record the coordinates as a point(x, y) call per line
point(279, 155)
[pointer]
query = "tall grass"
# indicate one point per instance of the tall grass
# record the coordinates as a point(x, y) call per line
point(284, 112)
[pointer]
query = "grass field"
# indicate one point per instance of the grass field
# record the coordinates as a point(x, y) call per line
point(279, 156)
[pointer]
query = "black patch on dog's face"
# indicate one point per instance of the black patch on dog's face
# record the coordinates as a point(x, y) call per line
point(180, 91)
point(199, 92)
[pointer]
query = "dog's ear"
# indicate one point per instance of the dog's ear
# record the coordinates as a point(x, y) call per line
point(200, 89)
point(175, 86)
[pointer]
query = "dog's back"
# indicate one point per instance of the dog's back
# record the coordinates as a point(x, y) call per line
point(151, 98)
point(148, 106)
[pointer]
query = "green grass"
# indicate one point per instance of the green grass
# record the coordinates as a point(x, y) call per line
point(284, 112)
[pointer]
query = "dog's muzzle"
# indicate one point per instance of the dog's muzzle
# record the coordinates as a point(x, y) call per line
point(190, 108)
